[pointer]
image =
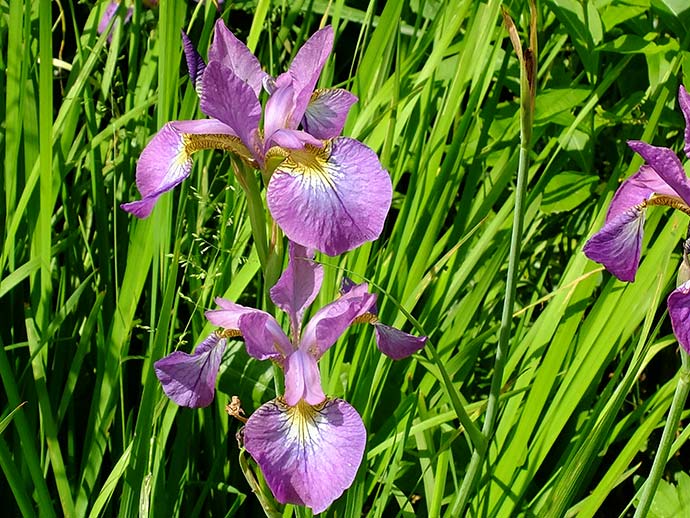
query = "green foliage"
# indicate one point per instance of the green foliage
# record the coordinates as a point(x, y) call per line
point(91, 297)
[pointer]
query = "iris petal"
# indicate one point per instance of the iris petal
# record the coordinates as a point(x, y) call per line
point(666, 164)
point(397, 344)
point(308, 455)
point(618, 244)
point(195, 63)
point(327, 111)
point(684, 101)
point(679, 310)
point(332, 199)
point(302, 379)
point(190, 379)
point(637, 189)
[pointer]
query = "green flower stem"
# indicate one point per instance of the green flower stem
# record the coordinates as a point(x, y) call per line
point(255, 208)
point(672, 422)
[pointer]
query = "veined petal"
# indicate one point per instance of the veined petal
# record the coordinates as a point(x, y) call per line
point(279, 108)
point(195, 63)
point(227, 98)
point(684, 101)
point(167, 160)
point(618, 244)
point(285, 140)
point(235, 55)
point(298, 285)
point(190, 379)
point(309, 455)
point(302, 379)
point(263, 336)
point(332, 199)
point(666, 164)
point(327, 111)
point(679, 310)
point(397, 344)
point(333, 319)
point(306, 68)
point(637, 189)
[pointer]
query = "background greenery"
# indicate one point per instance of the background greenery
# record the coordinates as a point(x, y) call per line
point(90, 297)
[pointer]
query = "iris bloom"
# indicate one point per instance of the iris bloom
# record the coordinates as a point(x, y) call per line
point(324, 191)
point(308, 446)
point(662, 182)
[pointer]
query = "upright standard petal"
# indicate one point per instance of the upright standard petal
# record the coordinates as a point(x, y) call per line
point(397, 344)
point(333, 199)
point(618, 244)
point(666, 164)
point(679, 309)
point(227, 98)
point(327, 111)
point(167, 159)
point(684, 101)
point(309, 455)
point(190, 379)
point(302, 379)
point(235, 55)
point(298, 285)
point(331, 321)
point(195, 63)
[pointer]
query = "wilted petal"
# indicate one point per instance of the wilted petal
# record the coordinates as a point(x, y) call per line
point(306, 68)
point(167, 159)
point(227, 98)
point(618, 244)
point(666, 164)
point(397, 344)
point(684, 101)
point(308, 455)
point(298, 285)
point(679, 309)
point(195, 63)
point(332, 199)
point(235, 55)
point(302, 379)
point(637, 189)
point(331, 321)
point(263, 336)
point(190, 379)
point(327, 111)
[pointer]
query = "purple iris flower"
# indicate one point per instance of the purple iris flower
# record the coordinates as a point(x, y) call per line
point(325, 192)
point(308, 446)
point(108, 15)
point(661, 181)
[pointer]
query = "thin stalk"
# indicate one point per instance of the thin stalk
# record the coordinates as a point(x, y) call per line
point(527, 95)
point(672, 423)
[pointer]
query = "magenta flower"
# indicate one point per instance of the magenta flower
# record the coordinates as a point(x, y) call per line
point(325, 191)
point(308, 446)
point(661, 181)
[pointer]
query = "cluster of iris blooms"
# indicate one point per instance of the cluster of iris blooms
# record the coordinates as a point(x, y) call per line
point(661, 181)
point(327, 193)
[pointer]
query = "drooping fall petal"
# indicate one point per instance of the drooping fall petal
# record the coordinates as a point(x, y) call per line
point(666, 164)
point(332, 199)
point(397, 344)
point(190, 379)
point(308, 454)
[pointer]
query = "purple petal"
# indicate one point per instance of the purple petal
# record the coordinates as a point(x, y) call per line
point(290, 139)
point(306, 68)
point(263, 336)
point(397, 344)
point(195, 63)
point(684, 101)
point(331, 201)
point(679, 309)
point(227, 98)
point(190, 379)
point(167, 160)
point(331, 321)
point(108, 15)
point(637, 189)
point(279, 108)
point(299, 284)
point(235, 55)
point(308, 455)
point(327, 111)
point(666, 164)
point(618, 244)
point(302, 379)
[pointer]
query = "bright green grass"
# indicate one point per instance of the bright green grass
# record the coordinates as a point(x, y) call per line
point(91, 297)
